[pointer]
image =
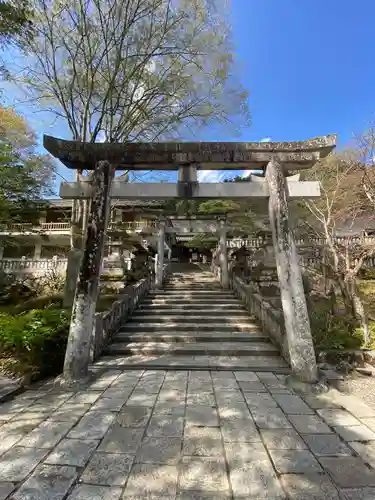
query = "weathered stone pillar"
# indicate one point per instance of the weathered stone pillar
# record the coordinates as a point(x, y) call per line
point(78, 221)
point(37, 250)
point(297, 324)
point(77, 355)
point(223, 256)
point(72, 271)
point(160, 256)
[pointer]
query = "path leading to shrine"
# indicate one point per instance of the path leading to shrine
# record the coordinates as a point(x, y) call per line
point(179, 435)
point(195, 433)
point(192, 323)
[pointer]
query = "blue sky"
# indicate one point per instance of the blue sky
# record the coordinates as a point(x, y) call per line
point(309, 66)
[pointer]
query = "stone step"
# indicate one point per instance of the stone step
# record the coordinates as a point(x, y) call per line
point(190, 337)
point(186, 327)
point(193, 282)
point(188, 309)
point(193, 301)
point(194, 349)
point(205, 291)
point(197, 348)
point(207, 282)
point(190, 318)
point(201, 289)
point(221, 363)
point(187, 296)
point(232, 304)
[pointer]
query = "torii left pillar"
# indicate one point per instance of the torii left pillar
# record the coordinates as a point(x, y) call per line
point(77, 356)
point(160, 256)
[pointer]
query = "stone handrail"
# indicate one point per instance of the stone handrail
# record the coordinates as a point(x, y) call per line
point(108, 323)
point(55, 226)
point(259, 242)
point(137, 224)
point(30, 227)
point(271, 319)
point(19, 227)
point(26, 264)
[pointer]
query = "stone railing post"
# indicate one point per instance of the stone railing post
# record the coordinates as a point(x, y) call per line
point(297, 324)
point(97, 333)
point(223, 255)
point(160, 256)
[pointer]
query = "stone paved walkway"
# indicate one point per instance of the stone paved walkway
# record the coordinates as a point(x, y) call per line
point(181, 435)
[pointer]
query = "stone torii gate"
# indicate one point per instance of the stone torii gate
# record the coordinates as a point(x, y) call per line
point(278, 161)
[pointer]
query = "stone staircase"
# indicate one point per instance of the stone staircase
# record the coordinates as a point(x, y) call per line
point(192, 324)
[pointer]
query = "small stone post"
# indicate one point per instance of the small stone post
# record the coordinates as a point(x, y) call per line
point(37, 250)
point(223, 256)
point(297, 324)
point(77, 356)
point(160, 256)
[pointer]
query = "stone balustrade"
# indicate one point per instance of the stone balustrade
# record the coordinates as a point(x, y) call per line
point(33, 266)
point(45, 227)
point(36, 228)
point(37, 267)
point(271, 319)
point(108, 323)
point(259, 242)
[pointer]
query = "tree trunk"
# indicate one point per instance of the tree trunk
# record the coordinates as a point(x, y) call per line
point(362, 316)
point(77, 355)
point(346, 295)
point(357, 307)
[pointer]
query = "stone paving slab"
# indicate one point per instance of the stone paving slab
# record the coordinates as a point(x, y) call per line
point(309, 487)
point(186, 435)
point(8, 387)
point(48, 482)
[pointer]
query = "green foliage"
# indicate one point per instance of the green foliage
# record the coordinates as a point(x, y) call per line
point(15, 19)
point(111, 277)
point(371, 343)
point(34, 342)
point(25, 175)
point(367, 273)
point(219, 207)
point(40, 302)
point(367, 293)
point(203, 241)
point(331, 330)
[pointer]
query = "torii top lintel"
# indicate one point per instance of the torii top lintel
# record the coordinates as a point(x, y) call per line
point(206, 155)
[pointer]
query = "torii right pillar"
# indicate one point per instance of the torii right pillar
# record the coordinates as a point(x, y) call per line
point(297, 323)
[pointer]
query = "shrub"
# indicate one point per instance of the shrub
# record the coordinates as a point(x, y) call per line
point(34, 343)
point(51, 283)
point(14, 289)
point(367, 273)
point(333, 331)
point(371, 343)
point(112, 277)
point(42, 302)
